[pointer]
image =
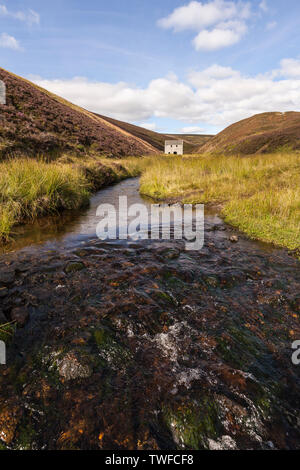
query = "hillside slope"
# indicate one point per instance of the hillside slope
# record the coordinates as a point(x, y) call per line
point(157, 140)
point(36, 122)
point(261, 133)
point(153, 138)
point(192, 142)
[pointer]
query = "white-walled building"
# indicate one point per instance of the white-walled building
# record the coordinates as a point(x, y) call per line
point(174, 147)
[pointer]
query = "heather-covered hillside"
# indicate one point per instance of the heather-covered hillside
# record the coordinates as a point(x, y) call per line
point(262, 133)
point(157, 140)
point(35, 122)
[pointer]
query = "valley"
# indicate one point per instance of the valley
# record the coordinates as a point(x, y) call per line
point(141, 344)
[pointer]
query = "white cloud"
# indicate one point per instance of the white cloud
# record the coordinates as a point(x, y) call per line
point(198, 15)
point(271, 25)
point(219, 23)
point(222, 36)
point(125, 102)
point(30, 17)
point(216, 96)
point(151, 126)
point(289, 68)
point(191, 130)
point(214, 72)
point(9, 42)
point(264, 6)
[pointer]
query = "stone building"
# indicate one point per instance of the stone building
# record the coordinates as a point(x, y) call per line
point(174, 147)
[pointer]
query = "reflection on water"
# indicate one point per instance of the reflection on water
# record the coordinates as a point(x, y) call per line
point(57, 233)
point(72, 227)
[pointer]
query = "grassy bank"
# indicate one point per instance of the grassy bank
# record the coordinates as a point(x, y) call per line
point(259, 194)
point(32, 188)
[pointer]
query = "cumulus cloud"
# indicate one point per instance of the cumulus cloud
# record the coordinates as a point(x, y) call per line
point(125, 102)
point(289, 68)
point(151, 126)
point(219, 23)
point(191, 130)
point(216, 96)
point(30, 17)
point(9, 42)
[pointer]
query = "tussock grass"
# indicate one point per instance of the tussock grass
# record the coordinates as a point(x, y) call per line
point(7, 331)
point(259, 194)
point(32, 188)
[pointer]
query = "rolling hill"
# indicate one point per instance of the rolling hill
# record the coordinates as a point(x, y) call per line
point(36, 122)
point(191, 142)
point(155, 139)
point(262, 133)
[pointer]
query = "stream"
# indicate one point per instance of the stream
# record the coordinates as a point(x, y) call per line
point(73, 228)
point(144, 345)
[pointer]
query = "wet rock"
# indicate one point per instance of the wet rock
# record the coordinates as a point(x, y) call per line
point(3, 292)
point(9, 420)
point(50, 268)
point(72, 368)
point(74, 267)
point(225, 443)
point(216, 228)
point(18, 301)
point(3, 319)
point(7, 278)
point(20, 315)
point(82, 253)
point(234, 239)
point(194, 350)
point(172, 254)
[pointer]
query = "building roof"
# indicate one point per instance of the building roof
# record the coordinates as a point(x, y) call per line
point(174, 142)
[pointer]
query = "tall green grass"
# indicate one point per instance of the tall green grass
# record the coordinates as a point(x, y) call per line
point(32, 188)
point(259, 194)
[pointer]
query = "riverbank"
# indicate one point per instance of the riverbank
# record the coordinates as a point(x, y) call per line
point(260, 195)
point(33, 188)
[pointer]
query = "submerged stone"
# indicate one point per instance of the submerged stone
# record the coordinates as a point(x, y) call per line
point(74, 267)
point(20, 315)
point(71, 368)
point(7, 278)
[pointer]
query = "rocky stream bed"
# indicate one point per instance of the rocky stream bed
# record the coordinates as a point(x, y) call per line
point(144, 345)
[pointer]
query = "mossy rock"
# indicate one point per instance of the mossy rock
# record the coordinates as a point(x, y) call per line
point(113, 355)
point(246, 351)
point(7, 332)
point(3, 446)
point(165, 297)
point(102, 337)
point(74, 267)
point(192, 424)
point(25, 437)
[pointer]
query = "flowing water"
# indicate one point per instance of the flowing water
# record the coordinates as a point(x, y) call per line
point(72, 228)
point(144, 345)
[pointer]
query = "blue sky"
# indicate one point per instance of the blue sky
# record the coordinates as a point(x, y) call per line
point(170, 65)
